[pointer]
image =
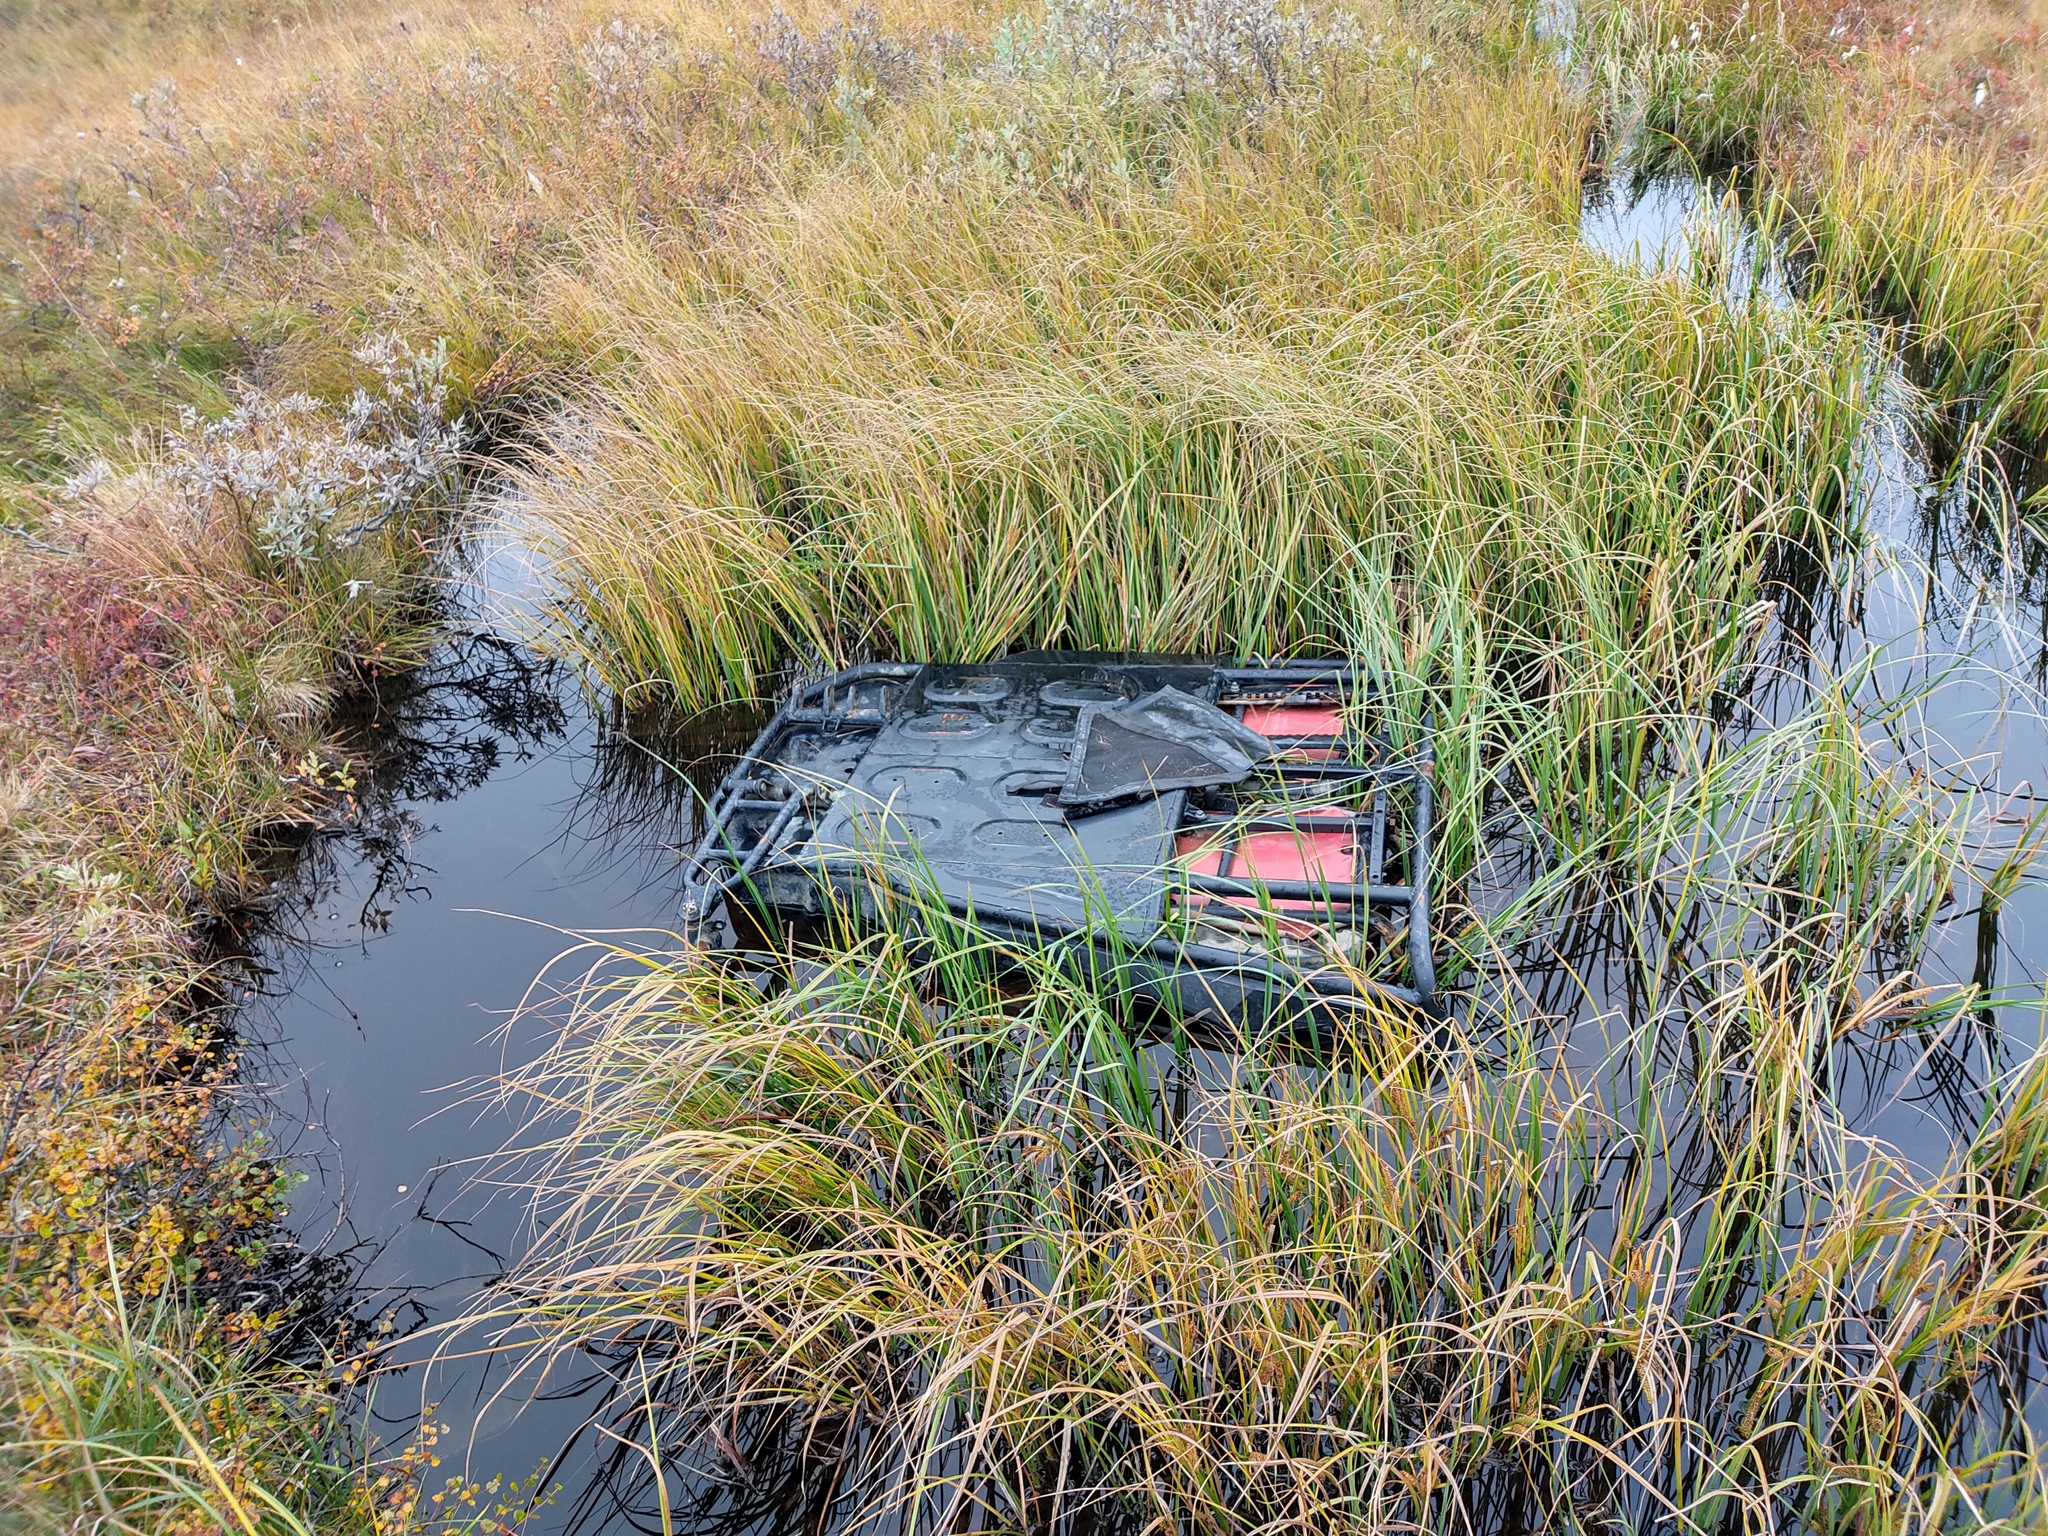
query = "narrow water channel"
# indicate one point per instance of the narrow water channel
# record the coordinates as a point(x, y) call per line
point(506, 821)
point(500, 822)
point(1949, 609)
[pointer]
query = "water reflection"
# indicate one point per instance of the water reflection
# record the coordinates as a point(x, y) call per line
point(1689, 227)
point(494, 818)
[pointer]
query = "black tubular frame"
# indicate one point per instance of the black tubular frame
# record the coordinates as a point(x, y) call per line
point(809, 704)
point(786, 805)
point(1368, 862)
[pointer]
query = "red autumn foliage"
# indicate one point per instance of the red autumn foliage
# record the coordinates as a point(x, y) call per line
point(75, 641)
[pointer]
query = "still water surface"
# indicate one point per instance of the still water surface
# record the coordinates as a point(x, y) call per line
point(503, 824)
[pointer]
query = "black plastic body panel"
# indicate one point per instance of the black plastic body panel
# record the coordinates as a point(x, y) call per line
point(932, 782)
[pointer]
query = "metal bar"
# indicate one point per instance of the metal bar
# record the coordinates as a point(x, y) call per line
point(1421, 963)
point(700, 897)
point(812, 716)
point(1360, 875)
point(1379, 837)
point(1349, 917)
point(1348, 822)
point(822, 713)
point(1393, 773)
point(737, 782)
point(773, 835)
point(1301, 890)
point(1205, 955)
point(867, 671)
point(1290, 671)
point(1302, 798)
point(721, 807)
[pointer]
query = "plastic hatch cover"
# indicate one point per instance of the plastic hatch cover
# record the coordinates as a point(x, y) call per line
point(1165, 741)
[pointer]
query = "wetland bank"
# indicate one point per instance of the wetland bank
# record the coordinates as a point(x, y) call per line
point(1714, 1203)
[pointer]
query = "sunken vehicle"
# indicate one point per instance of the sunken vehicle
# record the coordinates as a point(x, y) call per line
point(1235, 840)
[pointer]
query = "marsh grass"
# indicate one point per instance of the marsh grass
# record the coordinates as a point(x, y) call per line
point(996, 1260)
point(1899, 157)
point(926, 1231)
point(1271, 394)
point(372, 170)
point(160, 1419)
point(1949, 247)
point(930, 332)
point(152, 1426)
point(1218, 403)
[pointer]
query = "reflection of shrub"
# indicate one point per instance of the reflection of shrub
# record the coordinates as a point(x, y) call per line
point(1703, 89)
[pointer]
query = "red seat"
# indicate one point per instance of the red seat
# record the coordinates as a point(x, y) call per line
point(1290, 720)
point(1304, 855)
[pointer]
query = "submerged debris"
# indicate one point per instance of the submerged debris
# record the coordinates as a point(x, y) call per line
point(1234, 835)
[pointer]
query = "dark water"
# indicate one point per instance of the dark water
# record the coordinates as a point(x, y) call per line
point(504, 823)
point(1950, 595)
point(499, 824)
point(1947, 609)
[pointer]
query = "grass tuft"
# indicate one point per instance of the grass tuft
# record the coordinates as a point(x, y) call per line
point(984, 1255)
